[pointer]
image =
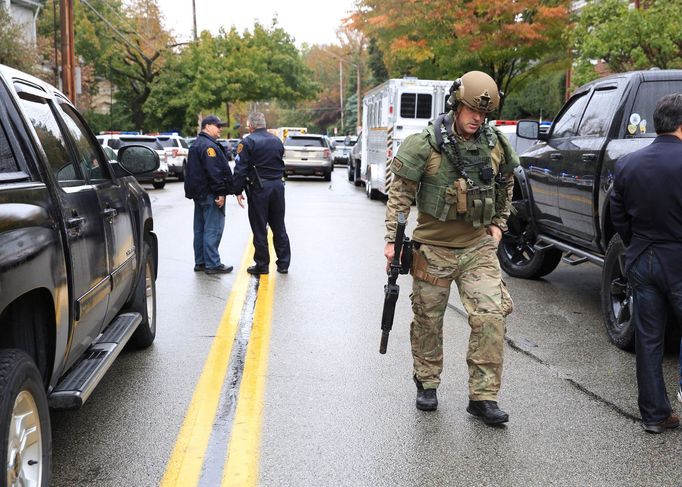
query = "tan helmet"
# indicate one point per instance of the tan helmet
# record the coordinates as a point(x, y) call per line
point(476, 90)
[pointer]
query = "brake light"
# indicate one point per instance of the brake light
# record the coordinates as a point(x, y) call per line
point(505, 122)
point(327, 153)
point(389, 154)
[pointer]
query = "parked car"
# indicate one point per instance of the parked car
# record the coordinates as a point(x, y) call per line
point(342, 148)
point(308, 155)
point(562, 189)
point(177, 150)
point(157, 177)
point(78, 267)
point(355, 163)
point(508, 128)
point(227, 147)
point(234, 143)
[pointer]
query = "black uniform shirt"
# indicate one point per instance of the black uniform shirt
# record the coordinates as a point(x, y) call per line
point(646, 204)
point(207, 171)
point(262, 150)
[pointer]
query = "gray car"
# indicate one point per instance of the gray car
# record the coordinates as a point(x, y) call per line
point(308, 155)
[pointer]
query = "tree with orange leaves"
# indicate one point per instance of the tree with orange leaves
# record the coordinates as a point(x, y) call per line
point(442, 39)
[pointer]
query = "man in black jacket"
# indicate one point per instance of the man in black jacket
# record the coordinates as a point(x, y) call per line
point(646, 209)
point(208, 179)
point(259, 169)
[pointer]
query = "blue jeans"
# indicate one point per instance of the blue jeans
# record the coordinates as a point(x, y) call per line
point(209, 222)
point(652, 298)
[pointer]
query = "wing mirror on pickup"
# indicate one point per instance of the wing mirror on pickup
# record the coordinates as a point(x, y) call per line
point(530, 129)
point(138, 159)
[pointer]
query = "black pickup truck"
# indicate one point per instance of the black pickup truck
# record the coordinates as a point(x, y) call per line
point(78, 263)
point(561, 192)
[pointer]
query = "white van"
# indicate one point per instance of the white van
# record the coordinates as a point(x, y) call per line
point(390, 112)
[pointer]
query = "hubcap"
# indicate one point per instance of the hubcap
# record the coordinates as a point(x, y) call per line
point(25, 448)
point(149, 294)
point(621, 295)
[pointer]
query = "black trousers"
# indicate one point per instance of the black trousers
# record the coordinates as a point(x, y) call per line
point(266, 208)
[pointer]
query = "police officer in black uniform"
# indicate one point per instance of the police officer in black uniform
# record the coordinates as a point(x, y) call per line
point(208, 179)
point(259, 169)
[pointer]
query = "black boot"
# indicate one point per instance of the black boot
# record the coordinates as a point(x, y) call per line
point(426, 398)
point(488, 412)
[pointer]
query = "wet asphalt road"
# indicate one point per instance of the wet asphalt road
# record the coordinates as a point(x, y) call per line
point(339, 413)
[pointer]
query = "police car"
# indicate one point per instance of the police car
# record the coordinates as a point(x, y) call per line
point(116, 140)
point(177, 150)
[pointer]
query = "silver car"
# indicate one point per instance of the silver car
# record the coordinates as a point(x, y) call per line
point(308, 155)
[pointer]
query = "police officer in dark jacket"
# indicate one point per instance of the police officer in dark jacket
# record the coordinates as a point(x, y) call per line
point(646, 210)
point(259, 169)
point(208, 179)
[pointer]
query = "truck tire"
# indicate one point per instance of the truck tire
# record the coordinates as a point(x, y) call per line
point(616, 297)
point(328, 175)
point(181, 174)
point(24, 421)
point(159, 185)
point(351, 173)
point(144, 302)
point(517, 253)
point(358, 176)
point(371, 193)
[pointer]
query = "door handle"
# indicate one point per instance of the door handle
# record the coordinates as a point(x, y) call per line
point(75, 222)
point(556, 156)
point(589, 157)
point(110, 212)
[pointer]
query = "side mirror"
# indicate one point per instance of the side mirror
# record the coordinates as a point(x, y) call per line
point(528, 129)
point(138, 159)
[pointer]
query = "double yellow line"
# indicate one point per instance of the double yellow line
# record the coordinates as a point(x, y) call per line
point(242, 457)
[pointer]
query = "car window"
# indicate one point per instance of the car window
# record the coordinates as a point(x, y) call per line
point(8, 163)
point(304, 142)
point(642, 115)
point(598, 114)
point(168, 142)
point(91, 163)
point(151, 143)
point(52, 140)
point(183, 144)
point(567, 124)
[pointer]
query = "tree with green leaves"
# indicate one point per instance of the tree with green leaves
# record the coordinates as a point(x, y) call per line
point(260, 65)
point(625, 38)
point(14, 50)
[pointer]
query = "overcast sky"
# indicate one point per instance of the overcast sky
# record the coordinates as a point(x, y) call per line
point(311, 21)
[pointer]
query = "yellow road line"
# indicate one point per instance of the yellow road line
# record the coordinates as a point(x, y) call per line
point(184, 467)
point(243, 455)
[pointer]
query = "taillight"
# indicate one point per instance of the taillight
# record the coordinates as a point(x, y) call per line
point(175, 153)
point(327, 153)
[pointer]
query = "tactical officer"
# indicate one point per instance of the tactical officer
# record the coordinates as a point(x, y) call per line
point(208, 179)
point(460, 171)
point(259, 169)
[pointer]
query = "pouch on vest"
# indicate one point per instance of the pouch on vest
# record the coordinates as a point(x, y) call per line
point(480, 205)
point(461, 186)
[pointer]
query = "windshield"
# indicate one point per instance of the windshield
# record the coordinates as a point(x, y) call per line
point(168, 142)
point(304, 142)
point(151, 143)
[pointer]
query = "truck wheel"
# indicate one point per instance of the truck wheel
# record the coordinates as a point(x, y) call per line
point(371, 193)
point(328, 175)
point(24, 421)
point(351, 172)
point(516, 252)
point(181, 174)
point(616, 297)
point(358, 176)
point(144, 302)
point(159, 185)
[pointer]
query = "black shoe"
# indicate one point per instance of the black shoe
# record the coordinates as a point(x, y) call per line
point(283, 270)
point(199, 267)
point(488, 412)
point(221, 269)
point(257, 271)
point(426, 398)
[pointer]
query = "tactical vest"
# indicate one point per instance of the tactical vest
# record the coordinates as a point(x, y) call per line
point(448, 195)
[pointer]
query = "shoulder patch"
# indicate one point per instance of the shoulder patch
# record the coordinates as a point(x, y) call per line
point(239, 148)
point(210, 151)
point(397, 164)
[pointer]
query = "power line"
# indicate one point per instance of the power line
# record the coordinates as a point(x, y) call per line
point(124, 21)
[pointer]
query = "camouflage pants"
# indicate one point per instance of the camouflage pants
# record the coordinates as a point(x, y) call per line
point(476, 271)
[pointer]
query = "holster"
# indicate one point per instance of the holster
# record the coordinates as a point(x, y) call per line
point(419, 266)
point(253, 179)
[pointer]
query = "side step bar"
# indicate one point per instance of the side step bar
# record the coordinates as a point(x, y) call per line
point(77, 385)
point(574, 255)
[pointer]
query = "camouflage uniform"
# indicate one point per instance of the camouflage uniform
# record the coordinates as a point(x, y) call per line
point(454, 250)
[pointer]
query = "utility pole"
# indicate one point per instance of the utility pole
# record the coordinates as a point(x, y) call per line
point(343, 130)
point(68, 50)
point(194, 20)
point(358, 122)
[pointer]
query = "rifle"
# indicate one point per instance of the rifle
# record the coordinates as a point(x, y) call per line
point(399, 265)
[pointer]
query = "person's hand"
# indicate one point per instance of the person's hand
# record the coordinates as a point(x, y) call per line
point(240, 200)
point(495, 232)
point(220, 201)
point(389, 252)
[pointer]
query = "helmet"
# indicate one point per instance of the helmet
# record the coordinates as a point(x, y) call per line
point(476, 90)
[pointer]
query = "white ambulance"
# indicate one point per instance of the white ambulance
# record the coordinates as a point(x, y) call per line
point(390, 112)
